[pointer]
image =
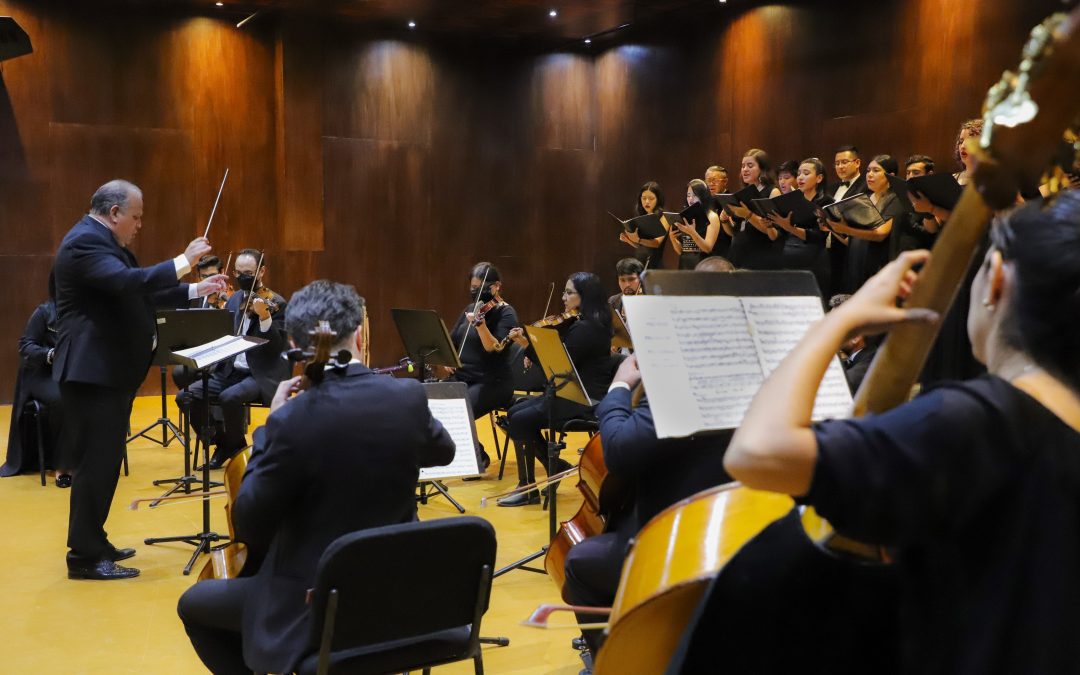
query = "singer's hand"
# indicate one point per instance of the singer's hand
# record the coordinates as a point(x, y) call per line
point(198, 247)
point(286, 390)
point(214, 284)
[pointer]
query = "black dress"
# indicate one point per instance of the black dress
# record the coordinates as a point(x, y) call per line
point(864, 257)
point(977, 486)
point(35, 381)
point(811, 254)
point(751, 248)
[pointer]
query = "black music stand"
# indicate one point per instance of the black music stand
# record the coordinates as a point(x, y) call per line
point(563, 381)
point(181, 329)
point(202, 359)
point(427, 342)
point(171, 327)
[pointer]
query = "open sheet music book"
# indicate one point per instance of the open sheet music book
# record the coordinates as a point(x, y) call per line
point(703, 358)
point(218, 350)
point(449, 404)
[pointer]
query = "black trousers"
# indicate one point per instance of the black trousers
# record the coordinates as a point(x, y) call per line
point(592, 569)
point(527, 419)
point(58, 455)
point(231, 392)
point(212, 612)
point(95, 429)
point(487, 396)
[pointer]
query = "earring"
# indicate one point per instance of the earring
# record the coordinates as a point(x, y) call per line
point(988, 305)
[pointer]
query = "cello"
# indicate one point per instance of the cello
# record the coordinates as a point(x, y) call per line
point(677, 554)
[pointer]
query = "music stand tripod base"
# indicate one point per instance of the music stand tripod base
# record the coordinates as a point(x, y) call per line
point(440, 489)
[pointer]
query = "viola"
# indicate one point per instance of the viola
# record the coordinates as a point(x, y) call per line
point(556, 320)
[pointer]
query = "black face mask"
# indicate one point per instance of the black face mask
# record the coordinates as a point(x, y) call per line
point(484, 297)
point(246, 282)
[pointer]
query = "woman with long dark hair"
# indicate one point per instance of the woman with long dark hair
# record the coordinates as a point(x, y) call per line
point(650, 199)
point(690, 244)
point(587, 337)
point(974, 485)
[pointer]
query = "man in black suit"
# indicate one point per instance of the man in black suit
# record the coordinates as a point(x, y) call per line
point(848, 168)
point(658, 473)
point(105, 314)
point(251, 376)
point(342, 456)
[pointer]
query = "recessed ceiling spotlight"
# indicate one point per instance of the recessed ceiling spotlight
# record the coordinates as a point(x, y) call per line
point(412, 24)
point(220, 4)
point(588, 41)
point(553, 13)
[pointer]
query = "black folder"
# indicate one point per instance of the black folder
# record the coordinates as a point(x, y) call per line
point(746, 197)
point(858, 211)
point(696, 215)
point(647, 226)
point(802, 210)
point(940, 188)
point(725, 201)
point(900, 187)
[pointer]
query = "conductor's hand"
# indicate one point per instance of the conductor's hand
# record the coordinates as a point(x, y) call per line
point(873, 309)
point(286, 390)
point(198, 247)
point(214, 284)
point(628, 372)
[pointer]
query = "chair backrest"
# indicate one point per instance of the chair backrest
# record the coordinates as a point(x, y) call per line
point(403, 581)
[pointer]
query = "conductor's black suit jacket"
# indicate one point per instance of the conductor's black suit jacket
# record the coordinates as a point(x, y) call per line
point(105, 308)
point(340, 457)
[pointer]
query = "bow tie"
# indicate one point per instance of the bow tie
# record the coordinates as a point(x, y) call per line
point(845, 183)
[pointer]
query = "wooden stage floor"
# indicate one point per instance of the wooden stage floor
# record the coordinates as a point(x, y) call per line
point(53, 625)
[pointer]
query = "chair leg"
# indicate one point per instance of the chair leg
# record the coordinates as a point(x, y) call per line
point(478, 663)
point(494, 434)
point(125, 461)
point(40, 444)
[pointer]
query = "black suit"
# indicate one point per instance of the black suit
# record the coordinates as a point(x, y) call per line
point(857, 186)
point(105, 307)
point(233, 386)
point(35, 381)
point(855, 368)
point(660, 473)
point(342, 457)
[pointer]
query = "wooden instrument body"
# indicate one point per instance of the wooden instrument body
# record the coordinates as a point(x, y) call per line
point(602, 495)
point(671, 562)
point(227, 562)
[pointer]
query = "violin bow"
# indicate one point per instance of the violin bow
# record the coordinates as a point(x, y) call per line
point(247, 300)
point(214, 210)
point(476, 305)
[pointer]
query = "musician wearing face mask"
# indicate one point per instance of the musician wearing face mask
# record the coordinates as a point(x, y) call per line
point(485, 364)
point(254, 375)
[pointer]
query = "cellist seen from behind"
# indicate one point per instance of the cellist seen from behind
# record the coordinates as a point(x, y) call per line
point(339, 457)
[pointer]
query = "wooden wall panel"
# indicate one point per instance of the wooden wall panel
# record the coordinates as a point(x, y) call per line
point(394, 164)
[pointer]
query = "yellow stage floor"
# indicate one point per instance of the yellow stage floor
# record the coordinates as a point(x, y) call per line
point(52, 625)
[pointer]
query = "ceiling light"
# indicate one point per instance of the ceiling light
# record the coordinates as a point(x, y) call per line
point(588, 41)
point(412, 24)
point(553, 13)
point(220, 4)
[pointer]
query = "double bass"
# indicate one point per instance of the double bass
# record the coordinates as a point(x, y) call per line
point(682, 550)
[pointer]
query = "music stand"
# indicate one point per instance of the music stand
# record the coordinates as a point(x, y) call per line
point(425, 338)
point(202, 359)
point(427, 342)
point(563, 381)
point(449, 403)
point(181, 329)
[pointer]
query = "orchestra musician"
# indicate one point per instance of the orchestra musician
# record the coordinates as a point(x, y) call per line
point(254, 375)
point(341, 456)
point(207, 266)
point(629, 274)
point(485, 365)
point(105, 316)
point(650, 200)
point(974, 483)
point(586, 333)
point(37, 347)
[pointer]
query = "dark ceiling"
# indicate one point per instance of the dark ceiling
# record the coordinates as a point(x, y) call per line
point(497, 19)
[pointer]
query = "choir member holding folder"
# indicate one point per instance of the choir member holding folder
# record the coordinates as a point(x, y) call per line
point(804, 248)
point(868, 250)
point(695, 231)
point(648, 250)
point(755, 242)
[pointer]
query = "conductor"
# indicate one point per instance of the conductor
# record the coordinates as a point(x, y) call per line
point(105, 308)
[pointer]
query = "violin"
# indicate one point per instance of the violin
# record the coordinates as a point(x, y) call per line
point(482, 311)
point(553, 321)
point(268, 297)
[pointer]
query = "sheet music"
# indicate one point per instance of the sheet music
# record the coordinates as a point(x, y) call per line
point(219, 349)
point(453, 413)
point(698, 356)
point(777, 325)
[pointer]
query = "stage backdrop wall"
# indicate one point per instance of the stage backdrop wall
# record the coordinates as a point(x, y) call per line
point(393, 162)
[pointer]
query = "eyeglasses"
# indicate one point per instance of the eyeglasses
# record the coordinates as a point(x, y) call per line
point(567, 291)
point(844, 162)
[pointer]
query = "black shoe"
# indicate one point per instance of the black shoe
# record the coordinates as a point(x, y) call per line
point(101, 570)
point(562, 465)
point(521, 499)
point(63, 480)
point(118, 554)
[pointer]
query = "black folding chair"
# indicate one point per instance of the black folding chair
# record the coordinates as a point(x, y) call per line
point(382, 604)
